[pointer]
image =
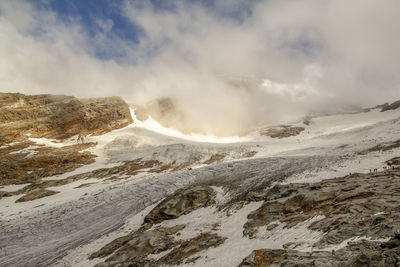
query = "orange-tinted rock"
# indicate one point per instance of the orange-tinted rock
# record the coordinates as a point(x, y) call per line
point(58, 116)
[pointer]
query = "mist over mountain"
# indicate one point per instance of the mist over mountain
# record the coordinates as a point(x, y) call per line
point(237, 63)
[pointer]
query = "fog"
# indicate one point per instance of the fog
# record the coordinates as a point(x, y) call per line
point(229, 66)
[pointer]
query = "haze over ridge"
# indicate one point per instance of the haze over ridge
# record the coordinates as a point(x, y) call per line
point(230, 66)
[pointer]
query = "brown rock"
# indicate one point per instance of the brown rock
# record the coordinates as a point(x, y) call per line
point(19, 168)
point(59, 117)
point(36, 194)
point(215, 158)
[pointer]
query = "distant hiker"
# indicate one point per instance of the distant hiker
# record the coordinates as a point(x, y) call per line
point(370, 170)
point(80, 139)
point(392, 167)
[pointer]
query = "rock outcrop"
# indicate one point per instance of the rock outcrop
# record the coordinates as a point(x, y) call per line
point(22, 160)
point(282, 131)
point(30, 166)
point(393, 106)
point(354, 205)
point(58, 116)
point(36, 194)
point(135, 247)
point(190, 247)
point(356, 254)
point(182, 202)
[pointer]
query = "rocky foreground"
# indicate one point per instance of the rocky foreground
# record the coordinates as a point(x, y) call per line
point(347, 208)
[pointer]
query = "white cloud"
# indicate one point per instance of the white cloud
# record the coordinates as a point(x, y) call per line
point(316, 54)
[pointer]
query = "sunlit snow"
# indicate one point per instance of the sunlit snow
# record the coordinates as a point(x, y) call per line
point(154, 126)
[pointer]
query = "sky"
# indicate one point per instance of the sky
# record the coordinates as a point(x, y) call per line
point(229, 65)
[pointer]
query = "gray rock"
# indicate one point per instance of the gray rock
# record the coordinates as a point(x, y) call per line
point(181, 202)
point(136, 246)
point(356, 254)
point(355, 205)
point(393, 106)
point(191, 247)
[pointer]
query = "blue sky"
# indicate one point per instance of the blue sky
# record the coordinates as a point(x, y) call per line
point(88, 13)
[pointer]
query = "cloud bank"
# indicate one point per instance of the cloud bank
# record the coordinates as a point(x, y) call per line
point(230, 65)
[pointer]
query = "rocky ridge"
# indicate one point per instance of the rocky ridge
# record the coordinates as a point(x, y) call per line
point(58, 116)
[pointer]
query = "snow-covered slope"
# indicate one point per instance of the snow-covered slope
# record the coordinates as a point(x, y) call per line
point(103, 201)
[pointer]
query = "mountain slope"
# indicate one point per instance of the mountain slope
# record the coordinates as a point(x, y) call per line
point(151, 197)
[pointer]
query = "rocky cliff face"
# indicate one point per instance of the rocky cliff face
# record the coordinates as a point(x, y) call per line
point(53, 117)
point(59, 117)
